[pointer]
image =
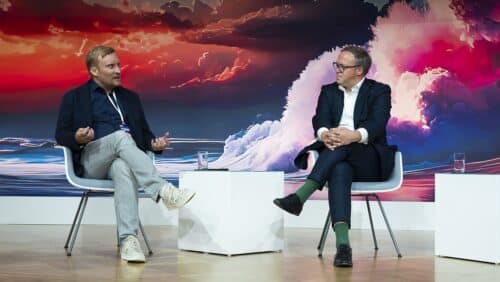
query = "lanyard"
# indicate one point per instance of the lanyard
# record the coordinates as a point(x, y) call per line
point(114, 102)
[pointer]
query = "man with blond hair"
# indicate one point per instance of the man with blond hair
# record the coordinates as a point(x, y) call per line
point(104, 125)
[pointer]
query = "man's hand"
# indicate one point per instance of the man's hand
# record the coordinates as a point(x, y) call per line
point(84, 135)
point(161, 143)
point(342, 136)
point(328, 139)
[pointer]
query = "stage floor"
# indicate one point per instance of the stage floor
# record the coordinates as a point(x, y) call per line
point(35, 253)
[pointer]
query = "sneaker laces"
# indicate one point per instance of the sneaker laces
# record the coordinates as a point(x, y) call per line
point(170, 196)
point(132, 244)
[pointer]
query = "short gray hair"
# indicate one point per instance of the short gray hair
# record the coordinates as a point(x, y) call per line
point(361, 57)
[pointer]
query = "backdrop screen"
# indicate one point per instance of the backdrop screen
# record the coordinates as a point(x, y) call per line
point(240, 79)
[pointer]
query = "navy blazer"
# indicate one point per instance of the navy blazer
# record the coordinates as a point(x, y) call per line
point(371, 111)
point(76, 112)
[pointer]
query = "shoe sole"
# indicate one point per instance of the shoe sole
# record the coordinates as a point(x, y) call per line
point(134, 260)
point(343, 265)
point(185, 203)
point(188, 200)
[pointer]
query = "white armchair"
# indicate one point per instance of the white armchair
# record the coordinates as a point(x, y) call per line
point(369, 189)
point(90, 187)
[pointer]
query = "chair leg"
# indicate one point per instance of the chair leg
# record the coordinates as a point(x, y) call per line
point(388, 226)
point(150, 251)
point(74, 221)
point(75, 234)
point(117, 238)
point(371, 221)
point(324, 234)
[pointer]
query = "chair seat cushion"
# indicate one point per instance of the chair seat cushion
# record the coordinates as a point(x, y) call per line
point(384, 186)
point(94, 184)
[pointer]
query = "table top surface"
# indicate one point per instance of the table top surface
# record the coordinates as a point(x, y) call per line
point(228, 171)
point(465, 173)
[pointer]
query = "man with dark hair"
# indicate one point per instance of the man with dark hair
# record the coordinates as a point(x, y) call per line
point(104, 125)
point(350, 125)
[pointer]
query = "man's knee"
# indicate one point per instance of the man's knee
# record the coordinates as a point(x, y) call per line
point(338, 152)
point(119, 167)
point(327, 157)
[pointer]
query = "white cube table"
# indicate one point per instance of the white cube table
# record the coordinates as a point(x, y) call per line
point(232, 212)
point(467, 208)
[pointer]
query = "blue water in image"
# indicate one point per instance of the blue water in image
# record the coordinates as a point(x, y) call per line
point(19, 157)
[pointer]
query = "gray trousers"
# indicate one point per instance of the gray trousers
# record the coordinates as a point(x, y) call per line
point(117, 157)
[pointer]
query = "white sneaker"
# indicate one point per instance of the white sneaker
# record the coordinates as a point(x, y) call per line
point(174, 198)
point(131, 250)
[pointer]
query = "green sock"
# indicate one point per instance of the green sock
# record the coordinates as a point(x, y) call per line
point(306, 190)
point(341, 233)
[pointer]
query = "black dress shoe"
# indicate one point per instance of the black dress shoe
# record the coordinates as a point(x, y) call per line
point(290, 203)
point(343, 257)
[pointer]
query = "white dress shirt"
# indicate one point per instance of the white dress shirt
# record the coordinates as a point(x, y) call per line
point(347, 118)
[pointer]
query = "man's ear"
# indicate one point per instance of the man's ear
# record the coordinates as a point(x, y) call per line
point(94, 71)
point(359, 70)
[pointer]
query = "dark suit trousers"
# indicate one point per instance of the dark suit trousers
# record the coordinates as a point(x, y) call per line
point(340, 167)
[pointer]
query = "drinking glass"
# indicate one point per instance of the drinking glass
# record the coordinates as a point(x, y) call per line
point(459, 162)
point(202, 159)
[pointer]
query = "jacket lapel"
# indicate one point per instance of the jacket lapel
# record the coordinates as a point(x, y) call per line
point(338, 104)
point(85, 104)
point(361, 101)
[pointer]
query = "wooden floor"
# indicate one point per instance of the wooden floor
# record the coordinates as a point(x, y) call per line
point(35, 253)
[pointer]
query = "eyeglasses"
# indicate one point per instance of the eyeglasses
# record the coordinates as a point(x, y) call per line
point(341, 67)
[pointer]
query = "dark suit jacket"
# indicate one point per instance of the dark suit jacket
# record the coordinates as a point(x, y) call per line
point(76, 112)
point(371, 111)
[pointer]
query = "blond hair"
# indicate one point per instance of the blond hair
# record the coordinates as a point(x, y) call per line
point(92, 58)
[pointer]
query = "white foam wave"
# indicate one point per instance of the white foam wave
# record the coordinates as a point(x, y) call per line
point(272, 145)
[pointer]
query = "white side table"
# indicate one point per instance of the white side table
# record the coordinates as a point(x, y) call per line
point(467, 208)
point(232, 212)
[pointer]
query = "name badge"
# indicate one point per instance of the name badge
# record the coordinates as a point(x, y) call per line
point(125, 128)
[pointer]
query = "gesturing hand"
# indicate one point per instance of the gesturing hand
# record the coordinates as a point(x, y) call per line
point(161, 143)
point(84, 135)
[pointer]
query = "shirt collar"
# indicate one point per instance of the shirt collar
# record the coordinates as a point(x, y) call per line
point(94, 87)
point(355, 88)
